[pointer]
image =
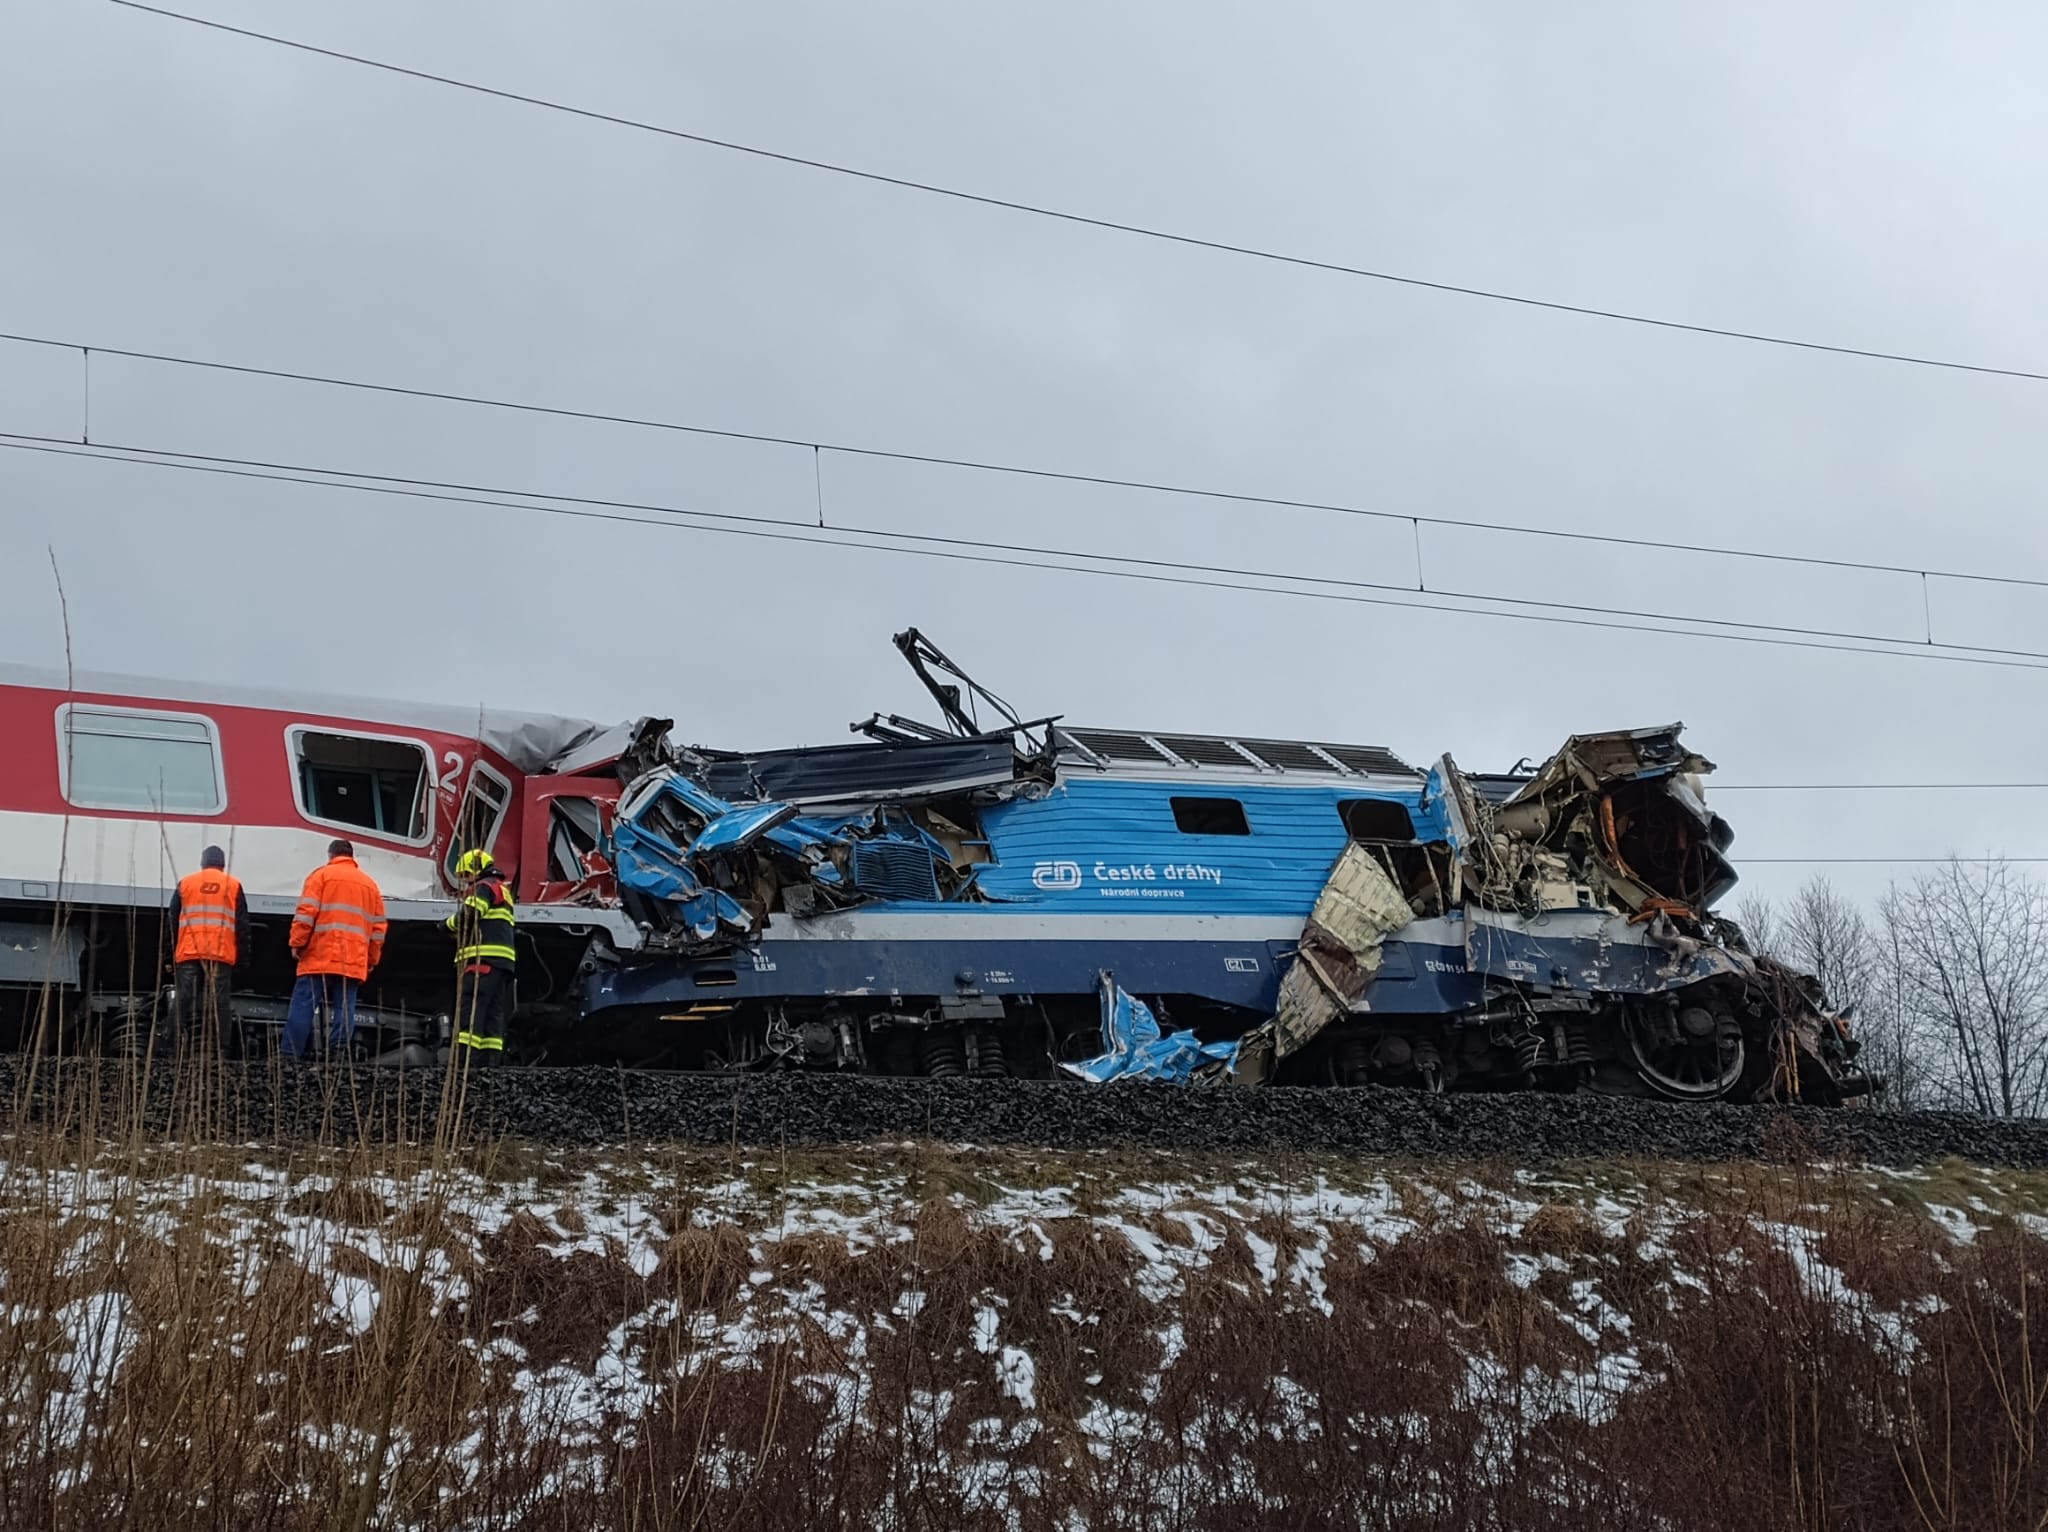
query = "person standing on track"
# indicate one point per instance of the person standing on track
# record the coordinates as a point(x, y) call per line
point(210, 914)
point(484, 925)
point(338, 938)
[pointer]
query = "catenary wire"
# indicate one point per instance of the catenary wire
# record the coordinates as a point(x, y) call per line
point(1112, 225)
point(1884, 861)
point(116, 455)
point(1021, 470)
point(1878, 787)
point(679, 518)
point(1785, 629)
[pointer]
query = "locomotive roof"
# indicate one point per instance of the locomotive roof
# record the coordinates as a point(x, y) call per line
point(1127, 748)
point(530, 741)
point(921, 768)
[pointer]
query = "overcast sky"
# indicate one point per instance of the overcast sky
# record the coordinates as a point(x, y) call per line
point(1863, 175)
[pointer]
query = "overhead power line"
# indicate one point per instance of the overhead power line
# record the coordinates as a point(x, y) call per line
point(672, 518)
point(1292, 577)
point(989, 552)
point(1876, 787)
point(1883, 861)
point(1022, 470)
point(954, 193)
point(796, 532)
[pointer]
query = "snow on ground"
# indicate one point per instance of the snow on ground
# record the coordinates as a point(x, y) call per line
point(1272, 1235)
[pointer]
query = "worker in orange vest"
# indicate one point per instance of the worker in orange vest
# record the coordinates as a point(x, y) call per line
point(338, 938)
point(210, 915)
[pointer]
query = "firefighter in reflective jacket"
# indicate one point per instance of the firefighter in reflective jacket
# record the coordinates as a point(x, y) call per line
point(210, 915)
point(484, 925)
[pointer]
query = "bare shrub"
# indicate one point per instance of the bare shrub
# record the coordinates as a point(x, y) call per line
point(375, 1342)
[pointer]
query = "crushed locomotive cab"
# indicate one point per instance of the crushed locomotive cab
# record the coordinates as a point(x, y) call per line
point(1115, 904)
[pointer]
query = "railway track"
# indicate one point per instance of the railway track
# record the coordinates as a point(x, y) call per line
point(586, 1107)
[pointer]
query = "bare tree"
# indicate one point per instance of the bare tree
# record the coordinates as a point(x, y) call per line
point(1861, 969)
point(1901, 1045)
point(1825, 934)
point(1968, 957)
point(1761, 923)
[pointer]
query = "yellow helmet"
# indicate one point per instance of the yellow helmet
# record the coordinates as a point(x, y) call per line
point(473, 864)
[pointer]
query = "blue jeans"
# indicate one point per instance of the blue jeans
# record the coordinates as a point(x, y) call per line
point(328, 992)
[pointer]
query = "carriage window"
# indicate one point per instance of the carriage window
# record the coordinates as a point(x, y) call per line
point(1210, 816)
point(483, 811)
point(362, 783)
point(1376, 819)
point(118, 758)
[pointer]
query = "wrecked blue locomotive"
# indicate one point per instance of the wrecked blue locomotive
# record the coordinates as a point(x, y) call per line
point(1037, 898)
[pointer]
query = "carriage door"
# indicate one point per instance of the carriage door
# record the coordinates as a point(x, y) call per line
point(482, 816)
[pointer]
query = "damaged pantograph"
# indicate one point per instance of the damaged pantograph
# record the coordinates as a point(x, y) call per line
point(1002, 896)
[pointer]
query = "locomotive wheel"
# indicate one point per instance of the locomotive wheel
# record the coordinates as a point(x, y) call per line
point(1695, 1068)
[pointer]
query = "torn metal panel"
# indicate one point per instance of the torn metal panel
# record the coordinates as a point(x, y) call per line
point(654, 875)
point(1359, 908)
point(868, 773)
point(1138, 1050)
point(631, 748)
point(704, 868)
point(1593, 951)
point(741, 827)
point(666, 879)
point(1447, 792)
point(1593, 760)
point(1620, 814)
point(688, 815)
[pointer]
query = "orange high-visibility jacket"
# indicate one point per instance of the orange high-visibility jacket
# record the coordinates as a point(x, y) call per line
point(209, 909)
point(339, 927)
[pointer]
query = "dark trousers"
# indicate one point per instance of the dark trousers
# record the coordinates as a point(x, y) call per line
point(315, 995)
point(203, 1012)
point(483, 1010)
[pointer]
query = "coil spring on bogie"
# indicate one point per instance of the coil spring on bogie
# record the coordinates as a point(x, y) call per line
point(1579, 1046)
point(1529, 1049)
point(944, 1054)
point(987, 1049)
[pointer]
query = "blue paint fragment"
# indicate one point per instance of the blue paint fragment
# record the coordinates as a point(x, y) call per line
point(731, 831)
point(682, 881)
point(1137, 1048)
point(647, 865)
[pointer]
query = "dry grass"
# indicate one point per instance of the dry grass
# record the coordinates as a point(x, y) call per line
point(447, 1334)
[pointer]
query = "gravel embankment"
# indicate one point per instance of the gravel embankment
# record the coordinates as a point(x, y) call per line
point(583, 1107)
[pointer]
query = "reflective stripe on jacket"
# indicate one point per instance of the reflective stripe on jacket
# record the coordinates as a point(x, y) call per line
point(206, 907)
point(340, 925)
point(484, 924)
